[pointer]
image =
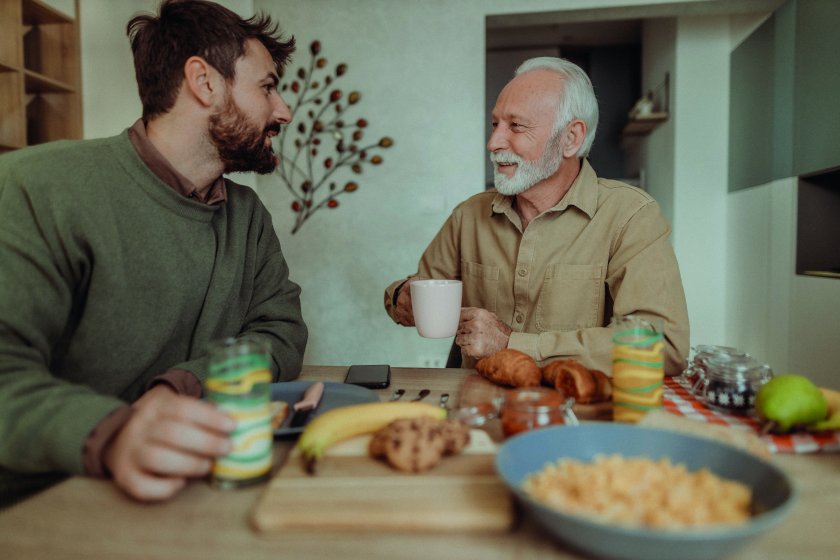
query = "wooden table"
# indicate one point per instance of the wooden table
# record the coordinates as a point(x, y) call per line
point(87, 518)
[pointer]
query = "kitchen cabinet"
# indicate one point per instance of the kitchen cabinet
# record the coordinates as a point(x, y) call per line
point(40, 74)
point(817, 226)
point(785, 122)
point(784, 115)
point(816, 139)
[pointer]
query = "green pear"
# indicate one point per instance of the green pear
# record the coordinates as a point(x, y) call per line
point(789, 401)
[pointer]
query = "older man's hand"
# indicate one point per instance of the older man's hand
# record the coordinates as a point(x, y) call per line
point(481, 333)
point(404, 312)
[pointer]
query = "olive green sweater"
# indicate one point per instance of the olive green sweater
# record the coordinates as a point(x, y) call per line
point(108, 278)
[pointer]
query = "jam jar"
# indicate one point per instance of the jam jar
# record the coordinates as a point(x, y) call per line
point(529, 408)
point(732, 382)
point(696, 371)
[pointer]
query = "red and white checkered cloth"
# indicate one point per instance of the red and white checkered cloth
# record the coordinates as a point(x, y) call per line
point(678, 400)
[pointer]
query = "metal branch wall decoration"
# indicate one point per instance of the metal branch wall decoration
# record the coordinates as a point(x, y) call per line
point(324, 142)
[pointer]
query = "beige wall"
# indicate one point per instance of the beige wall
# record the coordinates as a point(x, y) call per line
point(66, 6)
point(420, 68)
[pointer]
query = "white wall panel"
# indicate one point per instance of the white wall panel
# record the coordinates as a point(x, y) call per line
point(701, 117)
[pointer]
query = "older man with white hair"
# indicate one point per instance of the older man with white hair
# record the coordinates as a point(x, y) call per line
point(550, 256)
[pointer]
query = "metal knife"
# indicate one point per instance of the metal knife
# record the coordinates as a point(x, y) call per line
point(304, 407)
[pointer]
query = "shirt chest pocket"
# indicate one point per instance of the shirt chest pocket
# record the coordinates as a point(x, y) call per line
point(571, 297)
point(481, 285)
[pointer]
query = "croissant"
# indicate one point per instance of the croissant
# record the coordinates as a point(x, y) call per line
point(576, 380)
point(510, 367)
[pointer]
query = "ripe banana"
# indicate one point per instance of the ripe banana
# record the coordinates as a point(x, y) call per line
point(832, 419)
point(832, 397)
point(348, 421)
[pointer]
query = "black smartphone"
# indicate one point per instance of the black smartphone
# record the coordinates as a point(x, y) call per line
point(372, 377)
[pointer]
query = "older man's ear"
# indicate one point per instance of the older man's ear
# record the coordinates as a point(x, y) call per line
point(573, 137)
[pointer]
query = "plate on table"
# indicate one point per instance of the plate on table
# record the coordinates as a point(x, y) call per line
point(335, 395)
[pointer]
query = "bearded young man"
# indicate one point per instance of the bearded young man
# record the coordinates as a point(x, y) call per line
point(125, 257)
point(555, 252)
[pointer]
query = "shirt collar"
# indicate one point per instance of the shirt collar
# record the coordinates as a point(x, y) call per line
point(581, 195)
point(160, 166)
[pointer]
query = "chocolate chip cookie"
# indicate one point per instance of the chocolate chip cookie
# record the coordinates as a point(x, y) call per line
point(418, 444)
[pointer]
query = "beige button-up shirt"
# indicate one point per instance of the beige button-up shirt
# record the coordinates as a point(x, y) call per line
point(602, 251)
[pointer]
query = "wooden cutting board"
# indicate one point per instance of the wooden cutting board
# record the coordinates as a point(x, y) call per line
point(353, 491)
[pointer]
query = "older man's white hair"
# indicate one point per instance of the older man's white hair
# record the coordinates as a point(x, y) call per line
point(577, 100)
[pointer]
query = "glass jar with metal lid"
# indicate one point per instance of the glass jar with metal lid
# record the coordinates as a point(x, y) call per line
point(695, 373)
point(732, 382)
point(529, 408)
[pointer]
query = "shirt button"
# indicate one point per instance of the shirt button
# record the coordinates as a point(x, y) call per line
point(519, 318)
point(523, 272)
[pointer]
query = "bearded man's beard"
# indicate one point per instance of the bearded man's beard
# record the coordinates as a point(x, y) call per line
point(240, 144)
point(528, 173)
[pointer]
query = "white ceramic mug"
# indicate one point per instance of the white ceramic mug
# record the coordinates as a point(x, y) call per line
point(437, 307)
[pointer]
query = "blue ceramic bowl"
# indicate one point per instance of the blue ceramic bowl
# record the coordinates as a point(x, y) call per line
point(527, 453)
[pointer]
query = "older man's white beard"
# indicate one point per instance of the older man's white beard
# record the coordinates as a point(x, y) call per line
point(528, 173)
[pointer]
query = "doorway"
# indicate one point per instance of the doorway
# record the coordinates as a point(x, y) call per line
point(610, 52)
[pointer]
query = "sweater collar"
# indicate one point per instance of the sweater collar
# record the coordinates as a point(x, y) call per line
point(160, 166)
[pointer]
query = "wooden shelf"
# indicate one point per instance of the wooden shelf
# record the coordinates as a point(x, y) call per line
point(821, 273)
point(36, 12)
point(6, 148)
point(8, 68)
point(644, 125)
point(36, 82)
point(40, 74)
